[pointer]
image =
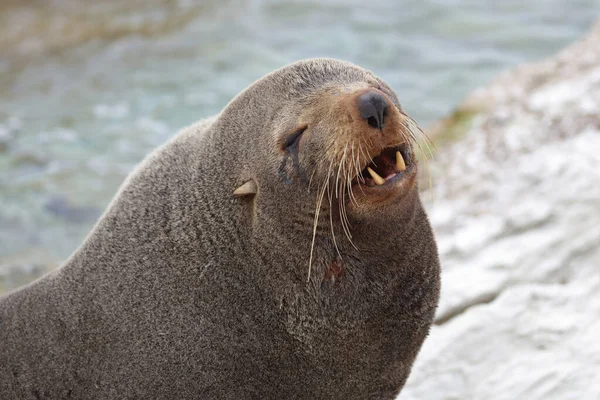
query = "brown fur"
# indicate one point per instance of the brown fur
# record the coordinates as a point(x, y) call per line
point(184, 291)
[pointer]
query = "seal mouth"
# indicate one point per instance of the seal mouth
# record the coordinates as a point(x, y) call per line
point(387, 167)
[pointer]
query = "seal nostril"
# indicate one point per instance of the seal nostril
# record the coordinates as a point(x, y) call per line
point(373, 107)
point(372, 121)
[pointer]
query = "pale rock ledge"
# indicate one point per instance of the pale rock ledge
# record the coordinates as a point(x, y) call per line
point(516, 211)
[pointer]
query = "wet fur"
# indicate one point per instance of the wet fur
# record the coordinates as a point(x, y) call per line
point(184, 291)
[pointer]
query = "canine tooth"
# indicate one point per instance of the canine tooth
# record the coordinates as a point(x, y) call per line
point(378, 180)
point(400, 165)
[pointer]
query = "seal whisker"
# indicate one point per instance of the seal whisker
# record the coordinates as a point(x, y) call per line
point(316, 220)
point(344, 203)
point(427, 142)
point(316, 169)
point(330, 195)
point(343, 214)
point(348, 176)
point(352, 168)
point(311, 178)
point(340, 190)
point(407, 132)
point(346, 182)
point(410, 124)
point(355, 161)
point(416, 126)
point(360, 175)
point(341, 210)
point(339, 168)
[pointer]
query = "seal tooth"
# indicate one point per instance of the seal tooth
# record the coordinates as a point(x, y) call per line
point(378, 180)
point(400, 165)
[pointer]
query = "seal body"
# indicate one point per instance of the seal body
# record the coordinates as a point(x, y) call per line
point(317, 282)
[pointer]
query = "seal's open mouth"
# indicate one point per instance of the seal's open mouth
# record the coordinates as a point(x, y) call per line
point(386, 167)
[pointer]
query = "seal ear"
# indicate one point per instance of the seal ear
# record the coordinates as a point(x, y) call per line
point(248, 188)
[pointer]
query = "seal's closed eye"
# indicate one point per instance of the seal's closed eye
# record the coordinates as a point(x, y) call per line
point(291, 143)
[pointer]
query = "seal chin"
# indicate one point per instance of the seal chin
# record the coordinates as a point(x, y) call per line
point(389, 174)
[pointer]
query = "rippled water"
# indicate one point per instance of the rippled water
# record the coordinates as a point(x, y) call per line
point(88, 88)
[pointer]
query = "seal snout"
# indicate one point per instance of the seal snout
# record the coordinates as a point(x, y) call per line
point(373, 107)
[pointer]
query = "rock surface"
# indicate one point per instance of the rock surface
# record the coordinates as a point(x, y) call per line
point(516, 210)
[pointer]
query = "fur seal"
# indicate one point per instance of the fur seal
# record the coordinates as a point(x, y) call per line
point(278, 250)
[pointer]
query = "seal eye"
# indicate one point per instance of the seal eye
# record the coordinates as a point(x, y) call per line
point(291, 143)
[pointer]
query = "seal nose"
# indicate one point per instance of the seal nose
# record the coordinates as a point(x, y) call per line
point(374, 108)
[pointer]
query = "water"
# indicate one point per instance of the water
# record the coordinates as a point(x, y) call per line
point(88, 88)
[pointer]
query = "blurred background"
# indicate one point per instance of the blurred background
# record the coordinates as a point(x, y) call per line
point(88, 88)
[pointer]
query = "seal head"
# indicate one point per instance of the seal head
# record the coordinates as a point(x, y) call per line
point(333, 143)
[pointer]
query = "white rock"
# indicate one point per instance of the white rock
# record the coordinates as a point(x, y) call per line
point(517, 217)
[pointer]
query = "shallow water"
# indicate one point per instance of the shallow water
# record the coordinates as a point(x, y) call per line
point(88, 88)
